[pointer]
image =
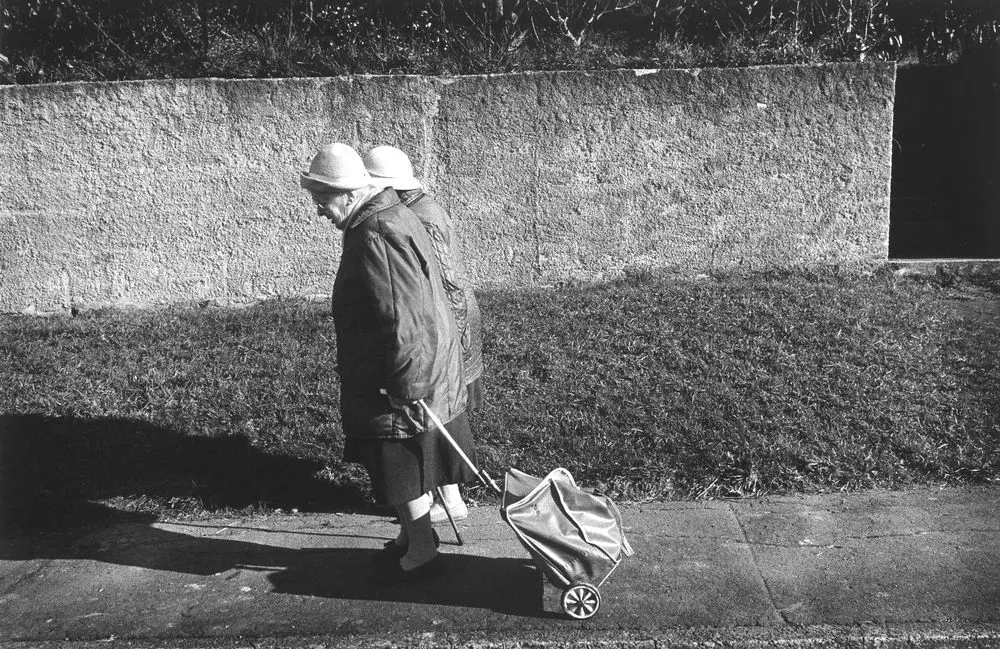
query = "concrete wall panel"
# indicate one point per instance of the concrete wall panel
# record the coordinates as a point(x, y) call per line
point(152, 192)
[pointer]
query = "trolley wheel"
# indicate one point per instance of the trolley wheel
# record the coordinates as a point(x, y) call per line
point(580, 601)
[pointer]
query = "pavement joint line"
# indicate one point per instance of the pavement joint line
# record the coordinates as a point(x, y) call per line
point(779, 614)
point(787, 546)
point(837, 544)
point(924, 533)
point(26, 576)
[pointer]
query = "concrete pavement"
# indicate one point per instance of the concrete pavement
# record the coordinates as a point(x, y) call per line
point(910, 568)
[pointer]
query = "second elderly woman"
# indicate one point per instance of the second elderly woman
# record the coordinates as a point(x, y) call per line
point(391, 165)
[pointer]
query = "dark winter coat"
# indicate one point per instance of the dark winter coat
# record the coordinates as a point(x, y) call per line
point(448, 251)
point(395, 330)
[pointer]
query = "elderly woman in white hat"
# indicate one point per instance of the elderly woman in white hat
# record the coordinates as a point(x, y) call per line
point(397, 343)
point(390, 165)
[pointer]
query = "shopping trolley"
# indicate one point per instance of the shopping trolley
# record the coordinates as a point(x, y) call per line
point(575, 537)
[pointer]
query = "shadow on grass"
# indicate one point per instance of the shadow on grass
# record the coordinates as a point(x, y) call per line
point(51, 467)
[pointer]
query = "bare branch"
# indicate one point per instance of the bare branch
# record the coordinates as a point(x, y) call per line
point(575, 19)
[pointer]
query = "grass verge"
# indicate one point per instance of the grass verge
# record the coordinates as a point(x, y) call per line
point(648, 388)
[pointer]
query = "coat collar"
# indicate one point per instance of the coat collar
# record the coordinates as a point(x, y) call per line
point(380, 202)
point(410, 196)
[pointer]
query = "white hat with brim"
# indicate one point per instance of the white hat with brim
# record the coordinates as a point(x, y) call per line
point(318, 183)
point(391, 166)
point(336, 167)
point(399, 183)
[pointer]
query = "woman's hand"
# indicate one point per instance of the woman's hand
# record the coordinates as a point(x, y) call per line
point(401, 404)
point(398, 404)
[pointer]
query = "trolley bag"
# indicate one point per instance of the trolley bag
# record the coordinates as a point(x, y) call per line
point(575, 537)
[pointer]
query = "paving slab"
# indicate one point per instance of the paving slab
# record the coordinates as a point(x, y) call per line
point(879, 558)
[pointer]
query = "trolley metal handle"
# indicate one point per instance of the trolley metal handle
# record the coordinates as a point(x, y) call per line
point(480, 473)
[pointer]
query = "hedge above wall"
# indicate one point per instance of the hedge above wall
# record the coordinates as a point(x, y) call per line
point(138, 193)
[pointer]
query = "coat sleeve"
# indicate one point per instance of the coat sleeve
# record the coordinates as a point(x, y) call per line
point(396, 275)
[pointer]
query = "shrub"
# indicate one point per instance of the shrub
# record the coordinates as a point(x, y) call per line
point(61, 40)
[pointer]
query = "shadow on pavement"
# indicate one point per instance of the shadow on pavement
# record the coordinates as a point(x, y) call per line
point(51, 466)
point(506, 585)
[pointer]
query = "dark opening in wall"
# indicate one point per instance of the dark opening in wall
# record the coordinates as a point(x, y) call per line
point(946, 162)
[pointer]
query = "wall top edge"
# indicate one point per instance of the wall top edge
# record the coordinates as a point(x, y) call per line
point(447, 79)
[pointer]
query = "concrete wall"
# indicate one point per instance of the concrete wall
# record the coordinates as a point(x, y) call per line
point(151, 192)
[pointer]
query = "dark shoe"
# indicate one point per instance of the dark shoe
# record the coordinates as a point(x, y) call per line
point(392, 551)
point(388, 574)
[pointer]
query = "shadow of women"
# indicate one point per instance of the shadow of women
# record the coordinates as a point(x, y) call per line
point(320, 564)
point(505, 585)
point(52, 469)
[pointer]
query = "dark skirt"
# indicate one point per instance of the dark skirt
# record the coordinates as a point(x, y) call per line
point(402, 470)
